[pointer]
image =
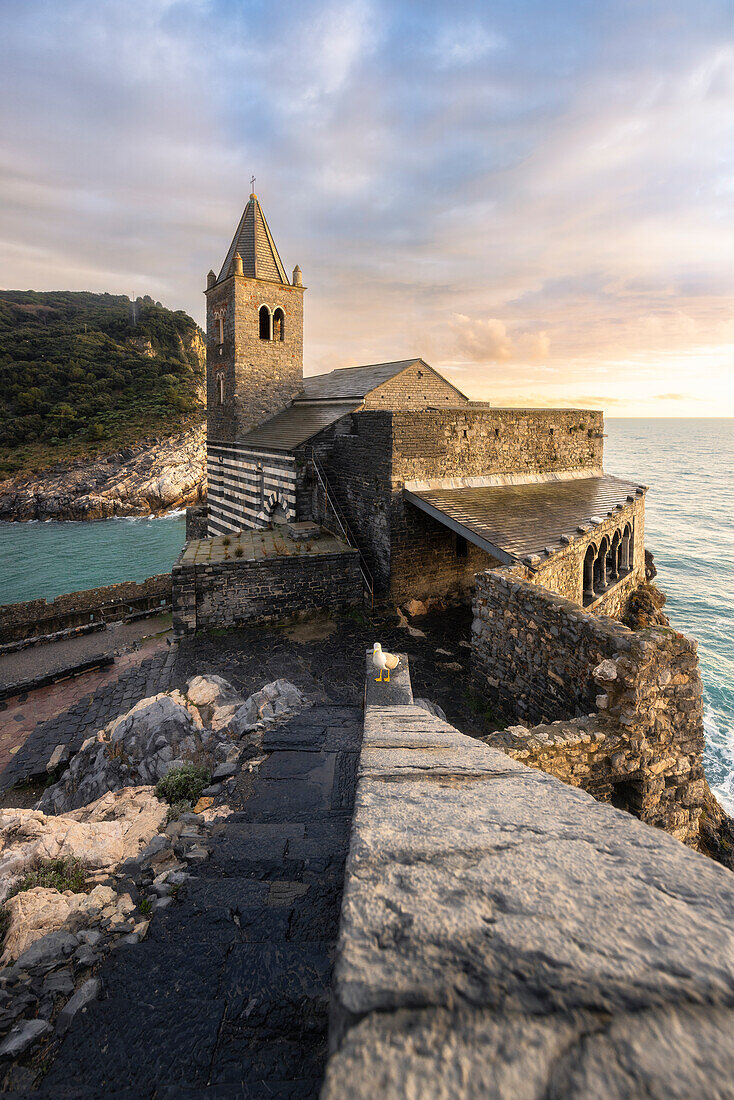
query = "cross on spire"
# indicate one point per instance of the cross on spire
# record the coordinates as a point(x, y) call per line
point(252, 185)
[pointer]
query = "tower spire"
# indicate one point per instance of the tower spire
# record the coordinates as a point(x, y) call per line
point(254, 243)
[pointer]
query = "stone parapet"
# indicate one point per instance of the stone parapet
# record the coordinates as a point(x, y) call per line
point(505, 935)
point(108, 603)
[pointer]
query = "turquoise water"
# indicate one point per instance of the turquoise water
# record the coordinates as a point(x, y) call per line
point(46, 559)
point(688, 464)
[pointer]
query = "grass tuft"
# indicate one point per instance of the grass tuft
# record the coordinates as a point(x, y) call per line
point(68, 873)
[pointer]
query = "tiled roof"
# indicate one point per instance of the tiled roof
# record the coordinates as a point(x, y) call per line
point(515, 521)
point(296, 424)
point(353, 381)
point(254, 242)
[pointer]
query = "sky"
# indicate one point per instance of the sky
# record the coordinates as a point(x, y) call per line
point(536, 198)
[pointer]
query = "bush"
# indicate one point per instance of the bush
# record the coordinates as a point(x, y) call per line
point(183, 784)
point(68, 873)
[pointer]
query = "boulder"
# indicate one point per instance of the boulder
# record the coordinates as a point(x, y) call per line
point(23, 1036)
point(276, 701)
point(415, 608)
point(102, 835)
point(137, 749)
point(34, 914)
point(210, 694)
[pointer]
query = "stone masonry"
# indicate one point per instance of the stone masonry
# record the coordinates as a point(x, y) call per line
point(504, 935)
point(222, 590)
point(544, 660)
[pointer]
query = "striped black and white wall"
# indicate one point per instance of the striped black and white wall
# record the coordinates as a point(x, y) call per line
point(246, 487)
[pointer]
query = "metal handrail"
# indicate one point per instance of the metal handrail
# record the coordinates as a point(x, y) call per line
point(330, 500)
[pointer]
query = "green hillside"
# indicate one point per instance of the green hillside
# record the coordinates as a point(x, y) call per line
point(83, 374)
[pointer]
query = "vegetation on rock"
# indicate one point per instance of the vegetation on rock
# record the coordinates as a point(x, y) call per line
point(67, 873)
point(183, 784)
point(83, 374)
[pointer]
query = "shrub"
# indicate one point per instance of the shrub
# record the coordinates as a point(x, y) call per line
point(177, 809)
point(183, 784)
point(68, 873)
point(239, 552)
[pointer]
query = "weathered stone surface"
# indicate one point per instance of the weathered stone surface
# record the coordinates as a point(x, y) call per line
point(138, 748)
point(273, 703)
point(102, 835)
point(35, 915)
point(22, 1037)
point(86, 993)
point(506, 935)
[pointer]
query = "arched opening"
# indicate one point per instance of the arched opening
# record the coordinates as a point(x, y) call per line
point(626, 550)
point(265, 319)
point(220, 389)
point(600, 568)
point(279, 325)
point(220, 322)
point(589, 559)
point(613, 557)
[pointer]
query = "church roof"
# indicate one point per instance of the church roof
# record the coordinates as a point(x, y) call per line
point(296, 424)
point(515, 521)
point(254, 242)
point(354, 382)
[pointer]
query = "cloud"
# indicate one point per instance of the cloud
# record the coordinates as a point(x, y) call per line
point(530, 194)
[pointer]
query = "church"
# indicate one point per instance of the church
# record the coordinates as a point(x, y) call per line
point(427, 486)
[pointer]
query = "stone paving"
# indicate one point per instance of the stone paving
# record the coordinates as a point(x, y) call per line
point(228, 996)
point(28, 738)
point(257, 546)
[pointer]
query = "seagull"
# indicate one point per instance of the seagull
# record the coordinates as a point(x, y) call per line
point(384, 661)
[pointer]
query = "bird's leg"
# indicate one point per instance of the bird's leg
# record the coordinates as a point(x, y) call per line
point(378, 679)
point(388, 676)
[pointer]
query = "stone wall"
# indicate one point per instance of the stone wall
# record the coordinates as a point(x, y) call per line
point(504, 935)
point(544, 659)
point(197, 522)
point(356, 456)
point(246, 486)
point(232, 592)
point(415, 388)
point(109, 603)
point(472, 442)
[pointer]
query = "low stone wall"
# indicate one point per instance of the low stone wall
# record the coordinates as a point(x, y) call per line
point(231, 592)
point(505, 935)
point(109, 604)
point(544, 659)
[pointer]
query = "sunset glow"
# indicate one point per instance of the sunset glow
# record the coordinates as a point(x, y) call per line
point(537, 199)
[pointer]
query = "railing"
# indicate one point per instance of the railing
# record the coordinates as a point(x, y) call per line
point(330, 501)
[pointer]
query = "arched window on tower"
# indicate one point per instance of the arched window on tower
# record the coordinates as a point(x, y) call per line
point(279, 324)
point(220, 389)
point(220, 319)
point(265, 332)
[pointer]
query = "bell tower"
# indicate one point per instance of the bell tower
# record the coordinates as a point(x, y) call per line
point(254, 332)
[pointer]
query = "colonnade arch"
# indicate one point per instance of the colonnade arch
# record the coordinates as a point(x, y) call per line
point(607, 562)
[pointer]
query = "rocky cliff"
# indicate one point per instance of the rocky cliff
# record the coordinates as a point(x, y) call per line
point(148, 478)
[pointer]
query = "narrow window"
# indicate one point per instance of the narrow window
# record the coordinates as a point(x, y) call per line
point(265, 323)
point(279, 325)
point(220, 389)
point(261, 476)
point(462, 547)
point(221, 329)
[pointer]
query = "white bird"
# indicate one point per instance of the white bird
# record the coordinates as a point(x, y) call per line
point(384, 661)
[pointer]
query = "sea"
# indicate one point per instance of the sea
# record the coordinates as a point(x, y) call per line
point(687, 464)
